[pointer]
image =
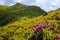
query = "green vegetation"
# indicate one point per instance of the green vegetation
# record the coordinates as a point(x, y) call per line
point(12, 13)
point(20, 21)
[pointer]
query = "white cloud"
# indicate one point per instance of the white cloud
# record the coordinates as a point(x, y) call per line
point(1, 2)
point(19, 1)
point(48, 5)
point(40, 1)
point(55, 2)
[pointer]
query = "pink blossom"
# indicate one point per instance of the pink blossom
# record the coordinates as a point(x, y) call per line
point(58, 37)
point(43, 25)
point(40, 25)
point(37, 27)
point(49, 25)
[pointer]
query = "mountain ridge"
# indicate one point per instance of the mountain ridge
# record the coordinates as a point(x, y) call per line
point(11, 13)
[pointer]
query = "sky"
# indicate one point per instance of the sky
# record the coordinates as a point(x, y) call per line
point(46, 5)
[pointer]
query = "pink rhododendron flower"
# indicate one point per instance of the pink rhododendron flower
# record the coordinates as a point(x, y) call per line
point(58, 37)
point(43, 25)
point(49, 25)
point(40, 25)
point(37, 27)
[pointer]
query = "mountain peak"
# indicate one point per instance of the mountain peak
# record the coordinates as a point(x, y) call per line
point(19, 4)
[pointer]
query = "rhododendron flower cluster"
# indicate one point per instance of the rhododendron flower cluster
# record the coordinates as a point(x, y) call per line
point(41, 26)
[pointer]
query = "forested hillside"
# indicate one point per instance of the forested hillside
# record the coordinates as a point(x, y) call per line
point(12, 13)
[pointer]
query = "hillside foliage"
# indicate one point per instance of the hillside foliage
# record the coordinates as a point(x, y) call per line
point(22, 27)
point(12, 13)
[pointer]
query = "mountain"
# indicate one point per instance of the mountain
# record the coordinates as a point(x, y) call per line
point(23, 29)
point(15, 12)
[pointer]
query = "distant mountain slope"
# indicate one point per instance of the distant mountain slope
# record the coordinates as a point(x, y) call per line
point(23, 30)
point(11, 13)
